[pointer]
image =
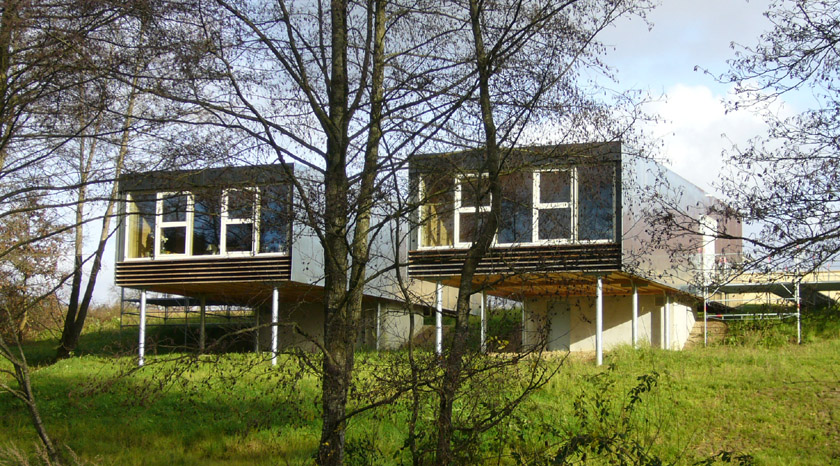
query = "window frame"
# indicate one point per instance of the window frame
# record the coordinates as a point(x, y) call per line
point(537, 205)
point(186, 224)
point(227, 220)
point(573, 205)
point(461, 209)
point(189, 225)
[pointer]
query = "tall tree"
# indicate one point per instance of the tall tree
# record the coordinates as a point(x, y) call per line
point(528, 57)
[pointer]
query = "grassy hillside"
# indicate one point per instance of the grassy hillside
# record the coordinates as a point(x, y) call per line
point(758, 395)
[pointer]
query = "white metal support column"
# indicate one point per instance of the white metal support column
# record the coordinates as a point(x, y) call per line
point(275, 318)
point(705, 317)
point(256, 330)
point(202, 323)
point(379, 324)
point(667, 321)
point(599, 322)
point(635, 327)
point(483, 312)
point(798, 315)
point(142, 344)
point(439, 319)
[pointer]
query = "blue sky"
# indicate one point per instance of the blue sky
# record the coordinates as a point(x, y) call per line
point(695, 128)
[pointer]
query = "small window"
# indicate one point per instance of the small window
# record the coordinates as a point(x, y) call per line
point(207, 223)
point(172, 228)
point(472, 206)
point(238, 220)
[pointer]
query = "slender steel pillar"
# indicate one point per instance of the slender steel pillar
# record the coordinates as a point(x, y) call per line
point(275, 318)
point(705, 317)
point(483, 312)
point(379, 324)
point(142, 344)
point(439, 319)
point(667, 321)
point(599, 322)
point(798, 315)
point(635, 326)
point(202, 324)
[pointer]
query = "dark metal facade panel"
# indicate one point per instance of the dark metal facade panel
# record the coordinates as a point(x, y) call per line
point(210, 270)
point(513, 260)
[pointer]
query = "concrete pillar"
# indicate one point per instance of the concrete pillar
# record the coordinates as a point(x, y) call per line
point(439, 319)
point(635, 325)
point(599, 321)
point(275, 318)
point(141, 349)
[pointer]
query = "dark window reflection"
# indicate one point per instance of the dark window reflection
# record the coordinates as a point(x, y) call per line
point(471, 224)
point(275, 219)
point(240, 204)
point(596, 212)
point(555, 223)
point(475, 191)
point(555, 186)
point(207, 223)
point(516, 217)
point(239, 238)
point(173, 240)
point(174, 207)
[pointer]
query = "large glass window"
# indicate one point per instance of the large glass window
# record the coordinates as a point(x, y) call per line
point(140, 226)
point(596, 187)
point(275, 221)
point(436, 214)
point(543, 206)
point(516, 218)
point(208, 222)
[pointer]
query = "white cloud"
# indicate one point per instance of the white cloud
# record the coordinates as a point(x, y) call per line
point(695, 130)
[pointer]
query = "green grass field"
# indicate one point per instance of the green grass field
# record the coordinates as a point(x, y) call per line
point(756, 395)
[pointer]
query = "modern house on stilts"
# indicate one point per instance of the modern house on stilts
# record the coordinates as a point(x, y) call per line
point(576, 247)
point(575, 244)
point(236, 236)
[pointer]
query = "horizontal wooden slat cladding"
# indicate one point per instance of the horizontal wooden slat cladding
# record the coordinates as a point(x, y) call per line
point(240, 269)
point(559, 258)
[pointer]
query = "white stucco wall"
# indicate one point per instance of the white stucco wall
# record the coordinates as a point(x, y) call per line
point(570, 322)
point(395, 327)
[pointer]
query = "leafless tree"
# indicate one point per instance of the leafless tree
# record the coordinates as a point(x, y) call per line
point(785, 182)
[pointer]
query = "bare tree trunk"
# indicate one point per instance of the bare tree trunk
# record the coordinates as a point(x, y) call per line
point(77, 312)
point(343, 316)
point(25, 393)
point(454, 360)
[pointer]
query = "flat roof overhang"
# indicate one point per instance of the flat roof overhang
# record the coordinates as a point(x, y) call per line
point(562, 284)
